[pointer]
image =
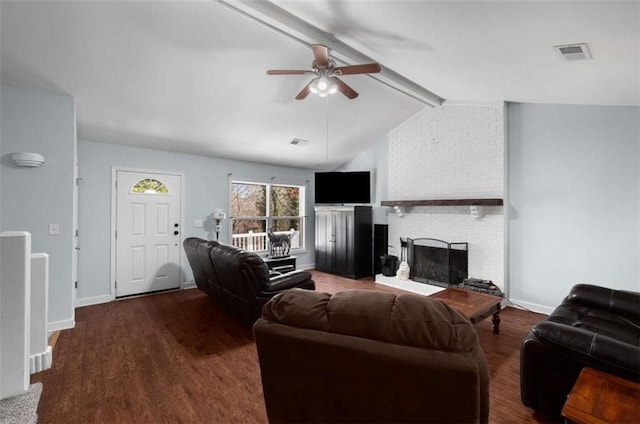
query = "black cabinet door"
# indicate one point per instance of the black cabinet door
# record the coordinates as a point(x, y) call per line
point(343, 246)
point(324, 241)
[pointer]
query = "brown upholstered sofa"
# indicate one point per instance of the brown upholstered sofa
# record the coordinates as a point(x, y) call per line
point(369, 356)
point(239, 279)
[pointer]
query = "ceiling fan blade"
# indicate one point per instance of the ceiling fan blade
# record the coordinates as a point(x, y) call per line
point(288, 72)
point(304, 92)
point(367, 68)
point(321, 55)
point(344, 88)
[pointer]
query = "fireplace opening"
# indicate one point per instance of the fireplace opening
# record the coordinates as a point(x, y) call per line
point(437, 262)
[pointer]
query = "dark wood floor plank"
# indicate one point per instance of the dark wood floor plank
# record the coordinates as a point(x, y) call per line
point(177, 357)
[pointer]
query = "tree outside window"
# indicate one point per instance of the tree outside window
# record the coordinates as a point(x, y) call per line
point(256, 207)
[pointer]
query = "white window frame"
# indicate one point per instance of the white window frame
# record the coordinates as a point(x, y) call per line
point(269, 219)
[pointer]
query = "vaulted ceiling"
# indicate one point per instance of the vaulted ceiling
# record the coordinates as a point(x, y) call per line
point(190, 76)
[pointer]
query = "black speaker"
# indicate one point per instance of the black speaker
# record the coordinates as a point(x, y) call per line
point(380, 245)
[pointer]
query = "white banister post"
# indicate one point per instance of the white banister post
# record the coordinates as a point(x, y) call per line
point(40, 357)
point(15, 287)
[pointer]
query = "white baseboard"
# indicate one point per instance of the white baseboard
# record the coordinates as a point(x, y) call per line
point(189, 285)
point(95, 300)
point(60, 325)
point(41, 361)
point(533, 307)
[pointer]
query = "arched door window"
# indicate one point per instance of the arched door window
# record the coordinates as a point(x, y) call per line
point(149, 186)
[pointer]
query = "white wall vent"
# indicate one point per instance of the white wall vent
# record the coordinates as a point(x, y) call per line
point(299, 142)
point(574, 51)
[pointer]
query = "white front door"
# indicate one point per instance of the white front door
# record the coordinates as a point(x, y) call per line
point(147, 232)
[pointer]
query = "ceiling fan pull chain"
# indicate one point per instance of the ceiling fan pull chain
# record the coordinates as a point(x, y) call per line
point(327, 127)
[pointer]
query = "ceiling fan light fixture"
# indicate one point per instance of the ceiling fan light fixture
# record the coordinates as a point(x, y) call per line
point(313, 87)
point(323, 86)
point(323, 83)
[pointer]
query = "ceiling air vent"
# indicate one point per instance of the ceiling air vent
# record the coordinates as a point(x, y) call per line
point(299, 142)
point(574, 51)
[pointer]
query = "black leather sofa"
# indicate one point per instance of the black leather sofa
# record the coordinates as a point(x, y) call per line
point(239, 279)
point(191, 245)
point(593, 327)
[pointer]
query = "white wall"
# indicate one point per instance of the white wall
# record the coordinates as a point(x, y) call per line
point(451, 152)
point(15, 295)
point(206, 188)
point(574, 194)
point(31, 198)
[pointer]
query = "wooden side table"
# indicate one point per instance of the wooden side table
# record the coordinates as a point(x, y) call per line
point(600, 398)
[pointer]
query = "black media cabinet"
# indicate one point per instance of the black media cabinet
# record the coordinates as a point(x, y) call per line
point(344, 240)
point(283, 265)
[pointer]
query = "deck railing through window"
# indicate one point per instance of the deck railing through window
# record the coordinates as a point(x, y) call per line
point(256, 242)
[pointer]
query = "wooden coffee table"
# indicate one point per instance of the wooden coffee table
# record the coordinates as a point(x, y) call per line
point(475, 306)
point(600, 398)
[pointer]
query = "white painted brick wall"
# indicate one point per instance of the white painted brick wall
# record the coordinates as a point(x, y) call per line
point(447, 153)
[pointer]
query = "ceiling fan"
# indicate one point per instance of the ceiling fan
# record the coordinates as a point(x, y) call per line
point(326, 81)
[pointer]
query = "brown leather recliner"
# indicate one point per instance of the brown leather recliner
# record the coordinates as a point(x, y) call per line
point(369, 356)
point(246, 282)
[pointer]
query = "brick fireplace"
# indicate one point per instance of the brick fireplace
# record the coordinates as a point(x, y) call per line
point(451, 152)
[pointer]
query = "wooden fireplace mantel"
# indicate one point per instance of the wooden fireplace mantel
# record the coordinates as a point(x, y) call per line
point(443, 202)
point(475, 205)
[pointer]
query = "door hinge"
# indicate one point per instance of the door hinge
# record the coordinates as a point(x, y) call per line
point(78, 180)
point(76, 233)
point(76, 285)
point(116, 234)
point(116, 284)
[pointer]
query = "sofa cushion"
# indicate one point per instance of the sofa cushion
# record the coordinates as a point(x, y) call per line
point(590, 345)
point(228, 258)
point(600, 321)
point(287, 281)
point(404, 319)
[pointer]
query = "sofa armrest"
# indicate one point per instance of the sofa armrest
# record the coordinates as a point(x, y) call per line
point(589, 344)
point(625, 303)
point(287, 281)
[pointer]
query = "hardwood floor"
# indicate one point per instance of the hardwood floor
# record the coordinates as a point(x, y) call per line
point(177, 358)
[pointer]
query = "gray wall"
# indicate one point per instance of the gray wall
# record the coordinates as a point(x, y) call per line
point(374, 160)
point(206, 188)
point(31, 198)
point(574, 199)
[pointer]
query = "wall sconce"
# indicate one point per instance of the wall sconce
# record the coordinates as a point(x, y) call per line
point(218, 215)
point(32, 160)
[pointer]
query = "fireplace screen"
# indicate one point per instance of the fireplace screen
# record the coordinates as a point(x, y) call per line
point(437, 262)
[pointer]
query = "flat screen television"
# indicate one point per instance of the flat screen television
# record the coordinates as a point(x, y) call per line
point(338, 188)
